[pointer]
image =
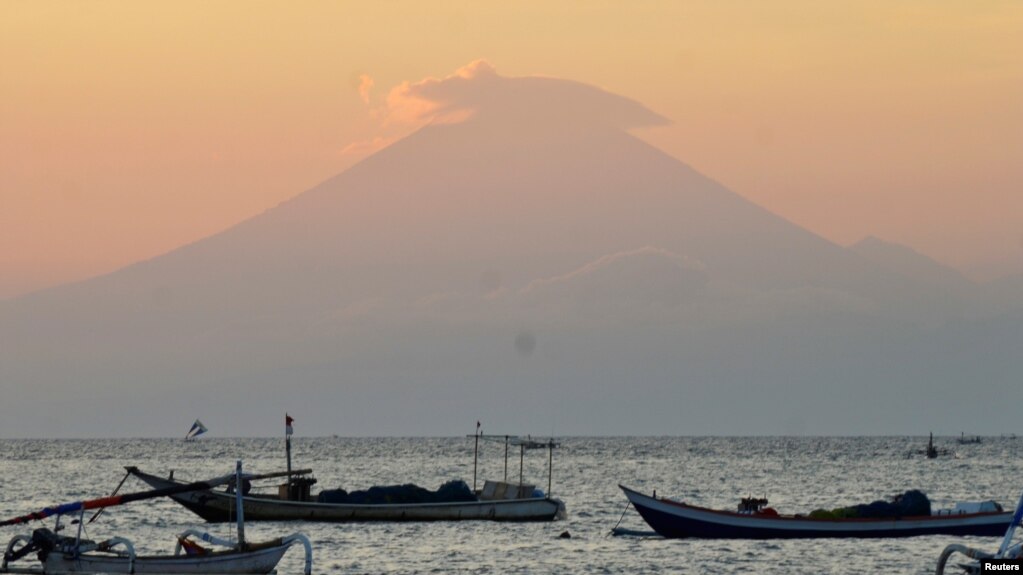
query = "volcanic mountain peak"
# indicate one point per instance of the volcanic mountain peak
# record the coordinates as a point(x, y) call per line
point(416, 269)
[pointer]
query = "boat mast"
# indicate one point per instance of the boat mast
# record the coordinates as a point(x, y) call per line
point(240, 513)
point(506, 459)
point(287, 446)
point(550, 464)
point(475, 454)
point(522, 452)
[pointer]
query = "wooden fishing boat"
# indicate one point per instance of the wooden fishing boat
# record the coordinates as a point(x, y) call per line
point(676, 519)
point(497, 502)
point(59, 554)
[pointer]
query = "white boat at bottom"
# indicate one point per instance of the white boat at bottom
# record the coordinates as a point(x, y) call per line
point(64, 555)
point(59, 554)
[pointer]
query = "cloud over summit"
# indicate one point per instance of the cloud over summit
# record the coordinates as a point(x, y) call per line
point(476, 90)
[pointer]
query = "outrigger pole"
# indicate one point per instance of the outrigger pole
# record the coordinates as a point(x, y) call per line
point(103, 502)
point(1017, 518)
point(112, 501)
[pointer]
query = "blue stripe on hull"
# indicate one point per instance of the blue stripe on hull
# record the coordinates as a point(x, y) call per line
point(672, 526)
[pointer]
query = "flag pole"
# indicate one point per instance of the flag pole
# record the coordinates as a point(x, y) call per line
point(287, 446)
point(475, 455)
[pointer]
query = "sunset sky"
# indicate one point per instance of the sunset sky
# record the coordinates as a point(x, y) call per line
point(128, 129)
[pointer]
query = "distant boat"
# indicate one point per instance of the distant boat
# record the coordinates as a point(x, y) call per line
point(676, 519)
point(932, 452)
point(197, 429)
point(963, 440)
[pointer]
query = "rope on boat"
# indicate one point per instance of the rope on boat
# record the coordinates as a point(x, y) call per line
point(624, 511)
point(116, 489)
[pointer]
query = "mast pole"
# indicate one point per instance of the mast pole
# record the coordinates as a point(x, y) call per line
point(506, 459)
point(475, 455)
point(287, 447)
point(287, 444)
point(240, 513)
point(522, 452)
point(550, 465)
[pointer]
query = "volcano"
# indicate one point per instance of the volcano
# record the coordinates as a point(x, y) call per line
point(530, 261)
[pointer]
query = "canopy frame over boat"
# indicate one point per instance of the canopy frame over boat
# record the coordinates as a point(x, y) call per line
point(523, 445)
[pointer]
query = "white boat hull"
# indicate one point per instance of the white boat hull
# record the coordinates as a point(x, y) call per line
point(228, 562)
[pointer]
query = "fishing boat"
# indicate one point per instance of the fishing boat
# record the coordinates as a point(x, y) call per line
point(963, 440)
point(495, 501)
point(675, 519)
point(196, 430)
point(1008, 552)
point(60, 554)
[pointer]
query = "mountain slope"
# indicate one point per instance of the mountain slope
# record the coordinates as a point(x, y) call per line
point(414, 269)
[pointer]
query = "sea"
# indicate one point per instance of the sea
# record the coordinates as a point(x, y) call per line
point(796, 474)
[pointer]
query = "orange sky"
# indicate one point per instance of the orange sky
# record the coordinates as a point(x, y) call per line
point(130, 128)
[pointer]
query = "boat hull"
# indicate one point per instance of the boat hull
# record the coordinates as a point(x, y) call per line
point(217, 506)
point(229, 563)
point(679, 520)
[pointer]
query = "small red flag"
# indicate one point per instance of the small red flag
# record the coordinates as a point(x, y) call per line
point(288, 420)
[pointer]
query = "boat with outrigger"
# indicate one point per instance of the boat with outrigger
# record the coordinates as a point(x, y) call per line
point(754, 520)
point(61, 554)
point(1008, 551)
point(454, 501)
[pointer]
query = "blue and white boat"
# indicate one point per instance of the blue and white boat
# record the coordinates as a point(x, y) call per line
point(675, 519)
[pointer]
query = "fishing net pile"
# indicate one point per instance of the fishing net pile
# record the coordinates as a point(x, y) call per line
point(909, 504)
point(456, 490)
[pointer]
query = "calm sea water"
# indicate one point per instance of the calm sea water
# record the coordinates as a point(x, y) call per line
point(796, 474)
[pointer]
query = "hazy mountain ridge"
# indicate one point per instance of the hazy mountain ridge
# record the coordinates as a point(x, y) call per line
point(518, 255)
